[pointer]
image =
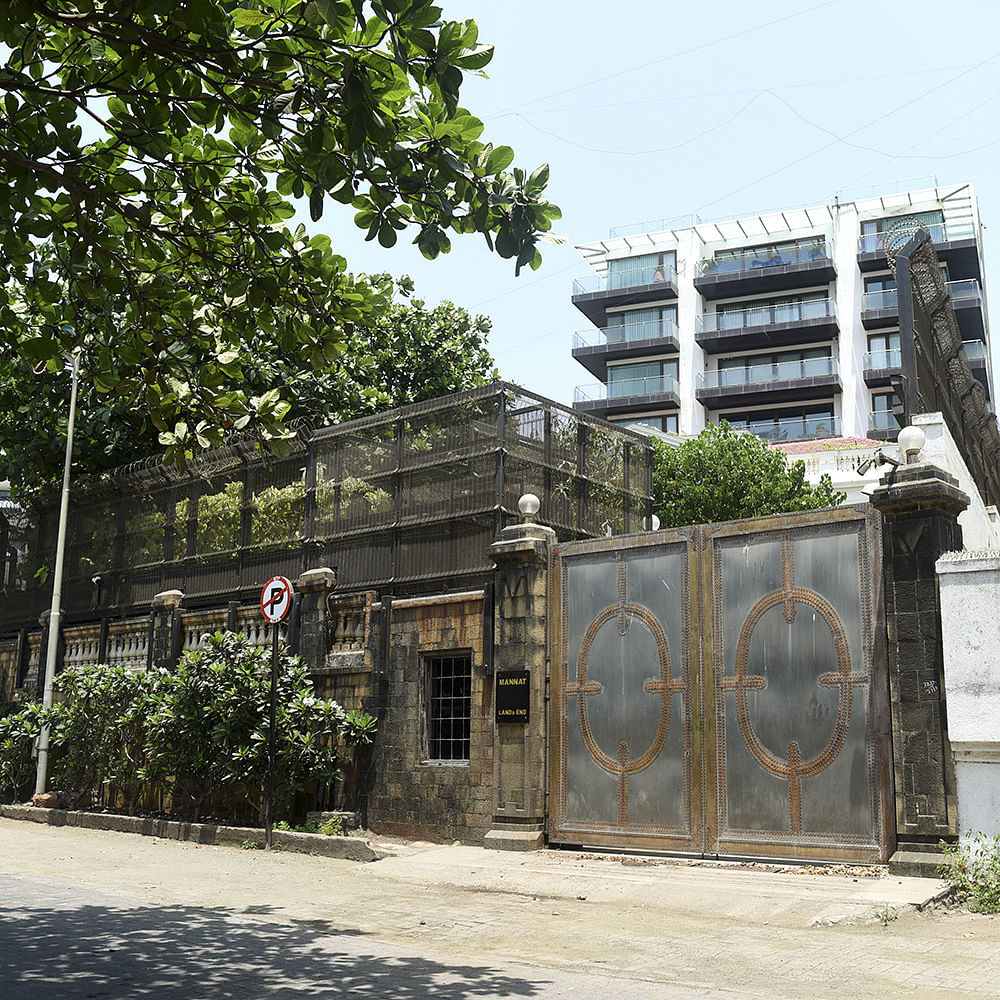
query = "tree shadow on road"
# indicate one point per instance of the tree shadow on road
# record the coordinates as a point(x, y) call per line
point(179, 953)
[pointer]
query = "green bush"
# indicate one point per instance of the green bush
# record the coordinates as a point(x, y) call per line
point(19, 728)
point(118, 736)
point(972, 870)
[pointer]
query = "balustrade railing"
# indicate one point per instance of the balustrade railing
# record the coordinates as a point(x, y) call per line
point(765, 315)
point(780, 371)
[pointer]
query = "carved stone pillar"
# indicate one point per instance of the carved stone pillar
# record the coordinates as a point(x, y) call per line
point(313, 639)
point(521, 644)
point(920, 508)
point(167, 631)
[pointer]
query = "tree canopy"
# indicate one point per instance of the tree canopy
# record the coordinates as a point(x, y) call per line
point(408, 354)
point(723, 474)
point(153, 152)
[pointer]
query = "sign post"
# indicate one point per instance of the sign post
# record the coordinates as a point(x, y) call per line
point(275, 600)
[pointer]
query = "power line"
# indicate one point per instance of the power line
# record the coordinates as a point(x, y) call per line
point(861, 128)
point(674, 55)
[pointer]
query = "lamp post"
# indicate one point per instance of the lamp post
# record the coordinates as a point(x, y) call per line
point(55, 614)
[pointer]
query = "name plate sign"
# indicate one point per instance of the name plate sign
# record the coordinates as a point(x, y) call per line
point(512, 695)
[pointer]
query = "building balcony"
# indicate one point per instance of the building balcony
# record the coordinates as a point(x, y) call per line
point(628, 396)
point(593, 296)
point(955, 244)
point(880, 366)
point(975, 354)
point(767, 326)
point(595, 348)
point(882, 426)
point(967, 300)
point(765, 269)
point(880, 309)
point(810, 379)
point(792, 428)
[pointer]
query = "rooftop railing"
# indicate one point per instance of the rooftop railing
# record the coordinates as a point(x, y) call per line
point(765, 315)
point(755, 258)
point(792, 428)
point(642, 274)
point(609, 335)
point(761, 375)
point(624, 388)
point(940, 232)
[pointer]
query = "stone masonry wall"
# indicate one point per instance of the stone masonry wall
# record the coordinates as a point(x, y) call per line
point(407, 795)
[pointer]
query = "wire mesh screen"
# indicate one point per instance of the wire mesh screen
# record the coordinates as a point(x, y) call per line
point(397, 501)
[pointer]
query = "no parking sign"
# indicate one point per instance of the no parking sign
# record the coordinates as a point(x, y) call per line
point(276, 599)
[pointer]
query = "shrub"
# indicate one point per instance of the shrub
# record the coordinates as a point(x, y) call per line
point(973, 871)
point(19, 728)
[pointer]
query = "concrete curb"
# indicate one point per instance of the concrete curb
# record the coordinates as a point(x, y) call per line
point(345, 848)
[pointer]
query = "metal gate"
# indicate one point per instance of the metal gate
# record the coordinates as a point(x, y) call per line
point(721, 690)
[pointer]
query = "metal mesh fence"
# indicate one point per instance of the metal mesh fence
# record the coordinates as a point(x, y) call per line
point(399, 501)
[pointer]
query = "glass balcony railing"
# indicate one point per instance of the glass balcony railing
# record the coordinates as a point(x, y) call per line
point(882, 420)
point(967, 290)
point(626, 387)
point(609, 335)
point(887, 299)
point(765, 315)
point(763, 374)
point(740, 261)
point(646, 274)
point(879, 360)
point(975, 350)
point(792, 428)
point(939, 233)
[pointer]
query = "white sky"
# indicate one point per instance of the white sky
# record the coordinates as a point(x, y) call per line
point(659, 110)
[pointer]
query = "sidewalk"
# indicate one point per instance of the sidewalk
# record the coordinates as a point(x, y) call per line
point(727, 930)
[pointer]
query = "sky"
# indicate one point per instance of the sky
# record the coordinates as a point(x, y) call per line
point(647, 111)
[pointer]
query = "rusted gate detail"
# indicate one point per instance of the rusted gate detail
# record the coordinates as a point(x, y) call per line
point(721, 690)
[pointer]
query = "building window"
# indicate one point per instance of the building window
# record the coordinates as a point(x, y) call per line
point(761, 312)
point(641, 379)
point(449, 706)
point(883, 283)
point(645, 269)
point(642, 324)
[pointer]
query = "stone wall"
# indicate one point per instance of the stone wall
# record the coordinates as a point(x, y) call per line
point(406, 794)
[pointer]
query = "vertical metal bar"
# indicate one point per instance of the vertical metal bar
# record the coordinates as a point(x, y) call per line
point(581, 477)
point(309, 503)
point(488, 630)
point(272, 725)
point(55, 618)
point(626, 489)
point(500, 466)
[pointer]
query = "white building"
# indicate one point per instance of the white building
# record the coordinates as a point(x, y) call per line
point(784, 323)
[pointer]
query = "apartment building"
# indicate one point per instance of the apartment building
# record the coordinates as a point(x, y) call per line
point(784, 323)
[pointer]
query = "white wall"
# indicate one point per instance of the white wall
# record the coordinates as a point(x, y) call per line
point(980, 525)
point(969, 583)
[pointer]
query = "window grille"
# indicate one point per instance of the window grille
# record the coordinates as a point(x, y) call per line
point(449, 707)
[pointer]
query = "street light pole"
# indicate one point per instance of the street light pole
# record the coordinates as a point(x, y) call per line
point(55, 614)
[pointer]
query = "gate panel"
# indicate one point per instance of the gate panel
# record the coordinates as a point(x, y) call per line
point(621, 687)
point(795, 690)
point(721, 690)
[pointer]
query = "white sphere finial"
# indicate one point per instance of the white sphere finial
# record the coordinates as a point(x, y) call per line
point(528, 505)
point(911, 440)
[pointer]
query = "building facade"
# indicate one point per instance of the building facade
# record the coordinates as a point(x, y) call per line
point(784, 323)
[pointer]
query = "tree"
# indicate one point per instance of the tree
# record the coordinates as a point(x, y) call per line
point(406, 355)
point(724, 474)
point(150, 151)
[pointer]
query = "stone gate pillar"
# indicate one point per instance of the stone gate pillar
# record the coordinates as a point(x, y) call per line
point(920, 505)
point(521, 644)
point(166, 634)
point(314, 614)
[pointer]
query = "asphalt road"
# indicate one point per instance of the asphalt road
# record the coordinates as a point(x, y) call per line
point(88, 914)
